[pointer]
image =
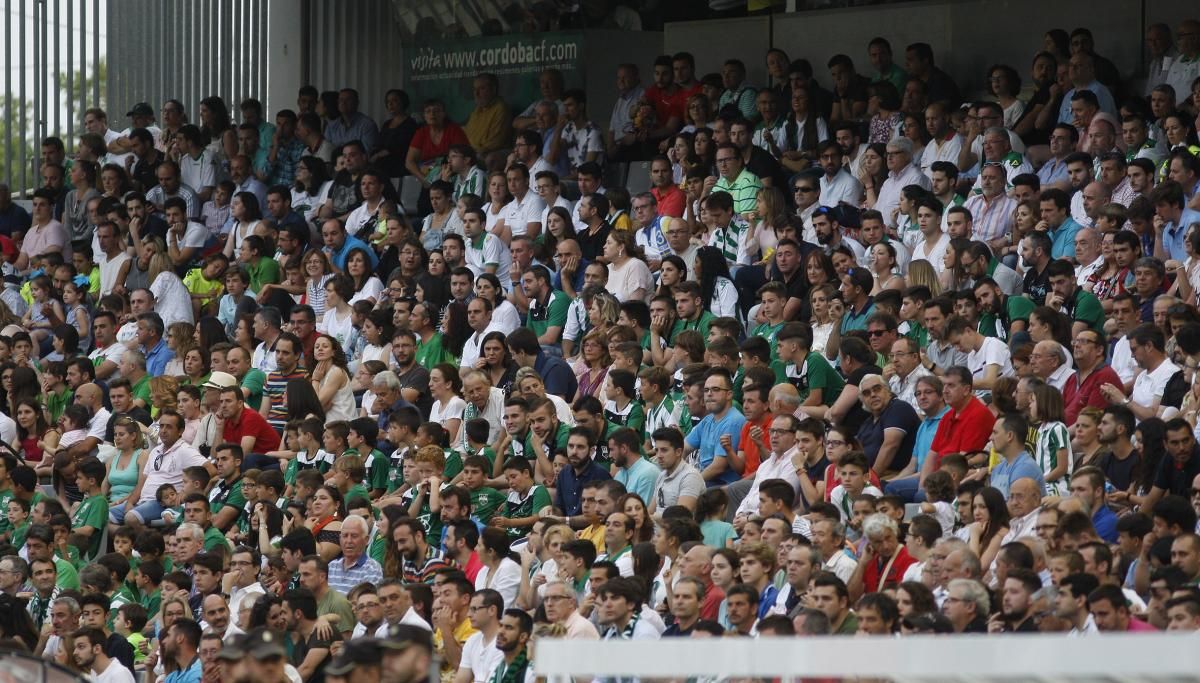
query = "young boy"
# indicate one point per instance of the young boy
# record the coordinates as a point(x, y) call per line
point(364, 432)
point(912, 314)
point(271, 488)
point(336, 439)
point(485, 500)
point(852, 478)
point(204, 284)
point(236, 300)
point(58, 394)
point(526, 500)
point(64, 549)
point(402, 428)
point(893, 506)
point(130, 621)
point(18, 517)
point(91, 516)
point(149, 578)
point(310, 455)
point(772, 300)
point(195, 480)
point(423, 501)
point(621, 408)
point(348, 475)
point(241, 529)
point(477, 438)
point(215, 212)
point(307, 483)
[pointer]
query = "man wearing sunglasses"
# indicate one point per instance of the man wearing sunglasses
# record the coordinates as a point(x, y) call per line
point(165, 465)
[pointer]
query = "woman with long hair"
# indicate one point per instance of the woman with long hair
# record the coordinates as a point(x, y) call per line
point(326, 511)
point(302, 400)
point(1005, 85)
point(706, 150)
point(682, 154)
point(498, 197)
point(559, 227)
point(35, 435)
point(501, 570)
point(209, 332)
point(990, 526)
point(443, 217)
point(802, 132)
point(195, 370)
point(724, 574)
point(505, 315)
point(629, 277)
point(1048, 324)
point(913, 598)
point(914, 129)
point(884, 268)
point(954, 276)
point(330, 379)
point(245, 214)
point(1149, 436)
point(217, 126)
point(717, 291)
point(883, 106)
point(635, 508)
point(1025, 217)
point(181, 338)
point(698, 114)
point(366, 286)
point(822, 320)
point(395, 133)
point(1085, 444)
point(23, 385)
point(501, 369)
point(455, 328)
point(819, 269)
point(310, 192)
point(604, 312)
point(446, 388)
point(592, 367)
point(672, 271)
point(338, 320)
point(771, 216)
point(126, 464)
point(922, 274)
point(872, 172)
point(243, 334)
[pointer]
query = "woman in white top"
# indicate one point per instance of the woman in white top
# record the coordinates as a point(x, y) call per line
point(505, 315)
point(311, 190)
point(498, 198)
point(367, 287)
point(443, 219)
point(1005, 84)
point(244, 216)
point(884, 268)
point(363, 221)
point(172, 301)
point(330, 377)
point(629, 277)
point(446, 388)
point(337, 322)
point(500, 572)
point(717, 290)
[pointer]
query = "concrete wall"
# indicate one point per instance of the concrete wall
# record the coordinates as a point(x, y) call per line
point(603, 52)
point(712, 42)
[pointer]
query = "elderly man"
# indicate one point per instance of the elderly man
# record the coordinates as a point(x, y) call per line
point(828, 537)
point(562, 608)
point(354, 566)
point(904, 370)
point(992, 209)
point(884, 558)
point(1024, 506)
point(483, 401)
point(800, 565)
point(967, 606)
point(890, 430)
point(901, 173)
point(479, 317)
point(1051, 363)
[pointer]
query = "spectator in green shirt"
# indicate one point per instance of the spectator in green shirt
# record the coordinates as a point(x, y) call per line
point(91, 516)
point(1065, 295)
point(547, 308)
point(263, 269)
point(226, 500)
point(239, 363)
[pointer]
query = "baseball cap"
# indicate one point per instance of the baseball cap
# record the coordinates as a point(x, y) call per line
point(141, 109)
point(261, 643)
point(234, 649)
point(401, 636)
point(220, 380)
point(357, 652)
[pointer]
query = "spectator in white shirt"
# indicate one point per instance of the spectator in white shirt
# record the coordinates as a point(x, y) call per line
point(901, 173)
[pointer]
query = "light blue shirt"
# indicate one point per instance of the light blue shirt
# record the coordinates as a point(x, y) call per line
point(1102, 95)
point(925, 433)
point(1175, 234)
point(188, 675)
point(1052, 171)
point(639, 477)
point(339, 257)
point(706, 438)
point(1023, 466)
point(1063, 239)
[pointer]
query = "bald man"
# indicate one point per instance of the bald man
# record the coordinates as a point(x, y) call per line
point(1024, 503)
point(91, 396)
point(1049, 362)
point(890, 430)
point(1088, 254)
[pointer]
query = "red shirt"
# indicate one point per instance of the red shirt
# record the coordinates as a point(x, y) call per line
point(964, 432)
point(895, 573)
point(452, 134)
point(665, 103)
point(1078, 396)
point(710, 607)
point(474, 564)
point(753, 457)
point(670, 201)
point(250, 423)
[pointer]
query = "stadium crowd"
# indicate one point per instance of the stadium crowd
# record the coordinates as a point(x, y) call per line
point(882, 357)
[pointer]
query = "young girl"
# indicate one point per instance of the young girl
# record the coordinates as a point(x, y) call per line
point(377, 330)
point(74, 422)
point(45, 309)
point(363, 377)
point(939, 494)
point(822, 322)
point(1052, 449)
point(74, 298)
point(337, 321)
point(710, 513)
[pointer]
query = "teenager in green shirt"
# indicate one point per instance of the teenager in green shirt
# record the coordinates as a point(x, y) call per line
point(772, 298)
point(263, 270)
point(816, 380)
point(364, 432)
point(91, 515)
point(225, 500)
point(485, 500)
point(526, 500)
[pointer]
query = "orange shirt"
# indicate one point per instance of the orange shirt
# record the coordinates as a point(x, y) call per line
point(753, 456)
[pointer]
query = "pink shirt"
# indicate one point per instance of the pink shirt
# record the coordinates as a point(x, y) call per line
point(1136, 625)
point(38, 240)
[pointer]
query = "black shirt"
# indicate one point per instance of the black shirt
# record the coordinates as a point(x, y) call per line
point(896, 415)
point(1175, 478)
point(858, 415)
point(592, 246)
point(119, 649)
point(1037, 285)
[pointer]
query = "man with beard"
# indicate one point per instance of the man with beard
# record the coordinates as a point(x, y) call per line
point(581, 469)
point(310, 652)
point(516, 627)
point(1016, 615)
point(180, 646)
point(830, 236)
point(89, 655)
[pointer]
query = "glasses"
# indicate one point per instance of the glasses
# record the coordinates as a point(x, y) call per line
point(725, 160)
point(835, 443)
point(877, 333)
point(1195, 492)
point(800, 188)
point(555, 598)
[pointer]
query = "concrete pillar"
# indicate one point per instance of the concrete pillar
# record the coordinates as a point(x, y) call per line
point(285, 57)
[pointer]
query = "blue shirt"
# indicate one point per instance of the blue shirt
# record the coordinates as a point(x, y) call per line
point(852, 320)
point(360, 127)
point(576, 282)
point(1105, 522)
point(189, 675)
point(925, 434)
point(157, 358)
point(14, 219)
point(706, 438)
point(339, 257)
point(639, 477)
point(556, 375)
point(1063, 239)
point(1102, 94)
point(1175, 234)
point(568, 489)
point(1023, 466)
point(1052, 171)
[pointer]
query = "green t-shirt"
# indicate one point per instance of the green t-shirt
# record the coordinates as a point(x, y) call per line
point(816, 373)
point(634, 415)
point(142, 390)
point(553, 314)
point(92, 512)
point(517, 506)
point(231, 495)
point(1087, 309)
point(430, 353)
point(1015, 308)
point(770, 333)
point(19, 533)
point(265, 271)
point(6, 495)
point(358, 491)
point(485, 501)
point(56, 403)
point(68, 576)
point(700, 325)
point(254, 381)
point(379, 469)
point(559, 441)
point(152, 602)
point(213, 538)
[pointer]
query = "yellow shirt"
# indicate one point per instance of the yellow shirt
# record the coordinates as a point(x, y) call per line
point(461, 633)
point(595, 534)
point(620, 221)
point(196, 283)
point(488, 127)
